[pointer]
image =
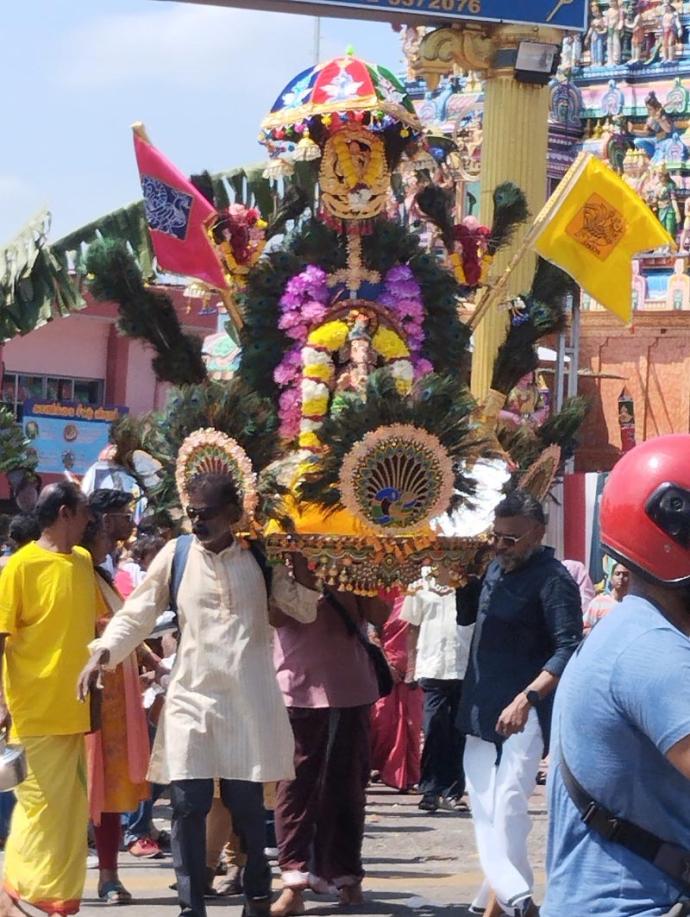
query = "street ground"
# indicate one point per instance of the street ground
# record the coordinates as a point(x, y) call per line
point(418, 865)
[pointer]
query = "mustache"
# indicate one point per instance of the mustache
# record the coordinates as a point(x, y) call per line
point(200, 529)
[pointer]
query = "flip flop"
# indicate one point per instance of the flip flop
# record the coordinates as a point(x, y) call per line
point(114, 893)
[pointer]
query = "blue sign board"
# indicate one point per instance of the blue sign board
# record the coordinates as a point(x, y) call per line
point(67, 436)
point(562, 14)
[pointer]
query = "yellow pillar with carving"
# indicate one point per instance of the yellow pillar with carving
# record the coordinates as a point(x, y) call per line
point(514, 148)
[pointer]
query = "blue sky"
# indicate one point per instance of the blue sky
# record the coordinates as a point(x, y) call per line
point(77, 73)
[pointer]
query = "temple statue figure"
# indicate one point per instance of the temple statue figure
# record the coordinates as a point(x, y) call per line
point(659, 124)
point(684, 244)
point(615, 19)
point(663, 200)
point(671, 31)
point(636, 25)
point(596, 35)
point(411, 40)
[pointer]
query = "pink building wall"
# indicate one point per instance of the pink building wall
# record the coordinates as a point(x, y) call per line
point(71, 346)
point(87, 345)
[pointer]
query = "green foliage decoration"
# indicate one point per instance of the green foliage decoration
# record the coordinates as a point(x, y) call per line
point(145, 313)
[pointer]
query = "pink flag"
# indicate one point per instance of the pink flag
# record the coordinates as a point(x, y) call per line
point(177, 215)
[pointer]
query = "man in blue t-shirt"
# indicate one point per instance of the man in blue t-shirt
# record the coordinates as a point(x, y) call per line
point(621, 726)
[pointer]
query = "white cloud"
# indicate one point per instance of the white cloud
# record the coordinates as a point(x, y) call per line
point(184, 45)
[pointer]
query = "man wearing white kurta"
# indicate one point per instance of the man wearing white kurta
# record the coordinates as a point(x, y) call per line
point(224, 716)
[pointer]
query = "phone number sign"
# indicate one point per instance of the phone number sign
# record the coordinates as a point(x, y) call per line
point(562, 14)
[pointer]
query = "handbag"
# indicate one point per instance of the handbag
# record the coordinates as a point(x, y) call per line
point(384, 679)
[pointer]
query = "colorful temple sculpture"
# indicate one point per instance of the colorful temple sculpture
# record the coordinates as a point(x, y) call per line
point(622, 92)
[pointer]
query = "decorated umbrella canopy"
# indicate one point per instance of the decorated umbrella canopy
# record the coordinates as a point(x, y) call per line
point(343, 86)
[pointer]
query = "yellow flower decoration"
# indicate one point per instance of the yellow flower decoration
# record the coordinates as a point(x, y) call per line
point(319, 371)
point(309, 441)
point(332, 335)
point(315, 407)
point(389, 344)
point(458, 269)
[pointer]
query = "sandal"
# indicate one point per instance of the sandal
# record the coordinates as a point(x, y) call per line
point(114, 892)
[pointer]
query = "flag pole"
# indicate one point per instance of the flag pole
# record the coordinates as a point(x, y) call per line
point(139, 129)
point(491, 294)
point(230, 305)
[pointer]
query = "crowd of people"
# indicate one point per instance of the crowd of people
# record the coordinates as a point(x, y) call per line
point(139, 662)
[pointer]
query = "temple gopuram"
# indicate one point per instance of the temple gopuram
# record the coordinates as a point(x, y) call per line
point(622, 92)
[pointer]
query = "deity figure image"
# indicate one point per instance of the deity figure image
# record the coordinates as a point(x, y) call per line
point(671, 31)
point(635, 24)
point(361, 357)
point(664, 200)
point(596, 35)
point(659, 124)
point(615, 20)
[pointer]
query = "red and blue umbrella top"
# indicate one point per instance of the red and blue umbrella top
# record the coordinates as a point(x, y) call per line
point(345, 84)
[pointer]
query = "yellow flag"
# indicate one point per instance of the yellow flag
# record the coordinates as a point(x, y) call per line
point(592, 226)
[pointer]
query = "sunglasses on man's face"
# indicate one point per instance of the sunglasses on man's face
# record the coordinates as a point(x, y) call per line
point(508, 540)
point(203, 513)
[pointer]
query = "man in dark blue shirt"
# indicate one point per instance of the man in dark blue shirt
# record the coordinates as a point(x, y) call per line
point(528, 624)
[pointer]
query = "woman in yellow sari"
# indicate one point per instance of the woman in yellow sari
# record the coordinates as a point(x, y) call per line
point(117, 757)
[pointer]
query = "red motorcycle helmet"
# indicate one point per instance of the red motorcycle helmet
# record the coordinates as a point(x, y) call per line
point(645, 510)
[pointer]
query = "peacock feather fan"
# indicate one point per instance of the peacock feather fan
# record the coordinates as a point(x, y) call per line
point(510, 210)
point(525, 444)
point(539, 313)
point(229, 407)
point(438, 405)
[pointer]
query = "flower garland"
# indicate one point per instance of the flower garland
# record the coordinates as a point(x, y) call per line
point(307, 372)
point(402, 296)
point(470, 260)
point(303, 303)
point(239, 233)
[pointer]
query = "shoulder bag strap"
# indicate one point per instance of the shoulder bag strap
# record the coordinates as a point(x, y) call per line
point(182, 547)
point(672, 860)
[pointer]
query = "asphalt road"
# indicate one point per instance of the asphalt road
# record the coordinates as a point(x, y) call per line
point(418, 865)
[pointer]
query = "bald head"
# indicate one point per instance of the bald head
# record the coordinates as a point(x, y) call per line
point(63, 508)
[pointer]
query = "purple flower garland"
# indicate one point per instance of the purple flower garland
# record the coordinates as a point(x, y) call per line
point(305, 303)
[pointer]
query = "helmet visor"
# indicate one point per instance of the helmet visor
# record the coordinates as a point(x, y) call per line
point(669, 509)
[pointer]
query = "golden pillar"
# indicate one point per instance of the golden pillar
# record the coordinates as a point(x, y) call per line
point(514, 147)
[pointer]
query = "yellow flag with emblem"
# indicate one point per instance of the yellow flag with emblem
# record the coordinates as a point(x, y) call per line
point(592, 226)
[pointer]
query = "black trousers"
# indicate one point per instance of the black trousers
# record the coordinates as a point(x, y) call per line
point(444, 745)
point(191, 802)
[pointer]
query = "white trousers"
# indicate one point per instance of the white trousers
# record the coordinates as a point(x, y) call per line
point(499, 799)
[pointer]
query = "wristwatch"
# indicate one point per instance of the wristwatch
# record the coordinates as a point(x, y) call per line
point(533, 697)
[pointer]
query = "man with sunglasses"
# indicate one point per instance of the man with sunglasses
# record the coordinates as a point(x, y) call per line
point(528, 624)
point(224, 719)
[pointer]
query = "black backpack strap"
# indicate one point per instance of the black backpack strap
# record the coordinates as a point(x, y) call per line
point(672, 860)
point(182, 547)
point(344, 616)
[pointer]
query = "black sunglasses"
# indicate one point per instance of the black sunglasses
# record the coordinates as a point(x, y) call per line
point(203, 513)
